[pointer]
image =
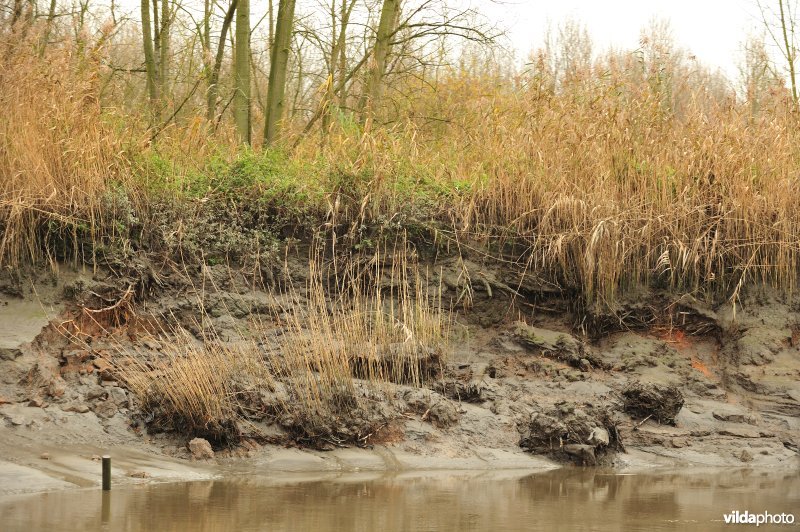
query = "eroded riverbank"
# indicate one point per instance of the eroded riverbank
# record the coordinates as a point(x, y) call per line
point(522, 388)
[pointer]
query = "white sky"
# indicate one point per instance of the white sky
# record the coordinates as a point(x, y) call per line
point(714, 30)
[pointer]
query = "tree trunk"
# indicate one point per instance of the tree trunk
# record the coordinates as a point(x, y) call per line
point(791, 52)
point(149, 57)
point(277, 70)
point(48, 29)
point(16, 13)
point(156, 41)
point(207, 8)
point(213, 82)
point(241, 70)
point(340, 86)
point(337, 72)
point(163, 59)
point(205, 39)
point(271, 29)
point(331, 62)
point(386, 28)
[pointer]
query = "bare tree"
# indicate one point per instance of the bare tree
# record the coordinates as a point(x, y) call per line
point(574, 50)
point(214, 71)
point(335, 54)
point(167, 16)
point(756, 74)
point(780, 22)
point(241, 99)
point(277, 71)
point(390, 13)
point(149, 56)
point(411, 44)
point(48, 29)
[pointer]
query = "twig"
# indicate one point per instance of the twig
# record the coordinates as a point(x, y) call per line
point(642, 422)
point(158, 131)
point(368, 436)
point(425, 415)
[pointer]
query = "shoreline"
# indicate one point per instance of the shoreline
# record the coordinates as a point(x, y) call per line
point(74, 469)
point(740, 387)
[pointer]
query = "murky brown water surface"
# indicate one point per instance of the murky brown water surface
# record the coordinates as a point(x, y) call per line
point(566, 499)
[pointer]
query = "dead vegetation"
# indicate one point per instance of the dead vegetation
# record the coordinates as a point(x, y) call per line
point(644, 400)
point(60, 154)
point(341, 349)
point(621, 178)
point(194, 387)
point(583, 435)
point(324, 368)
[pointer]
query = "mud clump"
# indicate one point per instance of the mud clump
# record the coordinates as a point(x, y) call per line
point(353, 417)
point(644, 400)
point(556, 345)
point(257, 401)
point(582, 436)
point(465, 383)
point(434, 407)
point(401, 363)
point(221, 432)
point(467, 392)
point(200, 449)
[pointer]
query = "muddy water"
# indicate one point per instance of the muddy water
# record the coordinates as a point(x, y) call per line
point(566, 499)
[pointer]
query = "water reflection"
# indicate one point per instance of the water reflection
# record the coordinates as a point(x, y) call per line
point(567, 499)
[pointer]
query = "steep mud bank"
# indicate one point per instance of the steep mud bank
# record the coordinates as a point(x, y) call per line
point(528, 382)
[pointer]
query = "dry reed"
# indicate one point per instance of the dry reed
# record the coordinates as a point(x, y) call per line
point(611, 182)
point(351, 335)
point(59, 152)
point(630, 172)
point(195, 387)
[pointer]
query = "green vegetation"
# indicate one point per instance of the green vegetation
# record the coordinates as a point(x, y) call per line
point(598, 176)
point(594, 175)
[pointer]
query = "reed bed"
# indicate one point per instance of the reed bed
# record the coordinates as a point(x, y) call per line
point(60, 152)
point(613, 181)
point(628, 173)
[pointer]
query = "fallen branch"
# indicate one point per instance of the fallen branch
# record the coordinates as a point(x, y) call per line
point(122, 300)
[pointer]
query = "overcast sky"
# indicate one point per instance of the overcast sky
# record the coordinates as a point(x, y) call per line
point(714, 30)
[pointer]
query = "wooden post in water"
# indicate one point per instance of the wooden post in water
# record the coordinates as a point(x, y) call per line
point(106, 473)
point(105, 510)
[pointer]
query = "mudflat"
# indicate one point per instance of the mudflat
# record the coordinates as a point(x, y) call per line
point(515, 392)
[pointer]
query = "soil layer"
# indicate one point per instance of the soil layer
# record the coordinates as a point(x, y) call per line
point(663, 380)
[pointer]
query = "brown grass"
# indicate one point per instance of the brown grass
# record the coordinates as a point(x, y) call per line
point(325, 378)
point(342, 344)
point(59, 152)
point(195, 387)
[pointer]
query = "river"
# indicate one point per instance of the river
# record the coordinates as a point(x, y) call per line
point(562, 499)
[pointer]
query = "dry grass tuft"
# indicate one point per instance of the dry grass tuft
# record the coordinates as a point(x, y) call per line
point(195, 387)
point(342, 346)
